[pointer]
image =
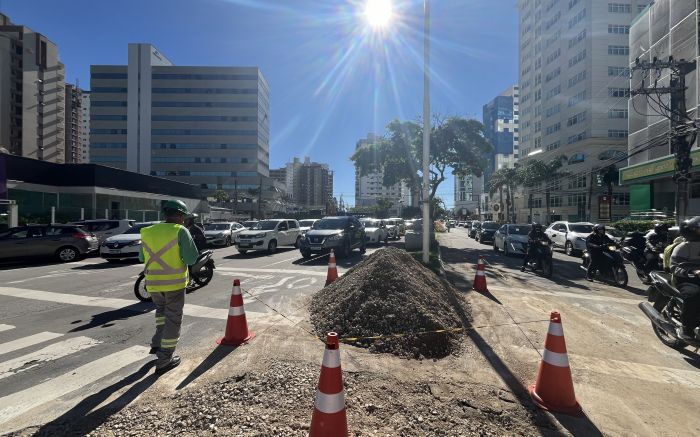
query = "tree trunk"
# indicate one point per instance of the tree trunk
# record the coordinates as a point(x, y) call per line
point(500, 212)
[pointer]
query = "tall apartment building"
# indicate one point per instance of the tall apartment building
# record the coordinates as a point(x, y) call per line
point(74, 139)
point(370, 188)
point(85, 127)
point(32, 106)
point(666, 28)
point(309, 184)
point(207, 126)
point(467, 192)
point(500, 118)
point(574, 87)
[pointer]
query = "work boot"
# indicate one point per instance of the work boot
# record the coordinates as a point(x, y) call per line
point(522, 269)
point(174, 362)
point(154, 350)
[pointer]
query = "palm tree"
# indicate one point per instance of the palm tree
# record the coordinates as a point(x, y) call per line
point(508, 178)
point(536, 172)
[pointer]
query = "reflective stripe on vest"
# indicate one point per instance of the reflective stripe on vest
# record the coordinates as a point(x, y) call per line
point(165, 271)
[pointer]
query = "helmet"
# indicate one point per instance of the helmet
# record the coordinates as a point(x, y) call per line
point(660, 228)
point(689, 228)
point(175, 205)
point(599, 227)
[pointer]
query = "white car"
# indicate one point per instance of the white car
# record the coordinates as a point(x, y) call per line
point(511, 239)
point(570, 236)
point(375, 231)
point(222, 234)
point(392, 227)
point(124, 246)
point(104, 229)
point(269, 235)
point(305, 225)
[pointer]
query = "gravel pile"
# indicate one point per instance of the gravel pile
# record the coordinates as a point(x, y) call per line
point(392, 293)
point(278, 401)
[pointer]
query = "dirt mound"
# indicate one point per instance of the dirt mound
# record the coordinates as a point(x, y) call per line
point(392, 293)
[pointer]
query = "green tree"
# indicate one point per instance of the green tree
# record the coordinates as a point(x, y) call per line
point(455, 143)
point(221, 196)
point(382, 207)
point(505, 178)
point(535, 173)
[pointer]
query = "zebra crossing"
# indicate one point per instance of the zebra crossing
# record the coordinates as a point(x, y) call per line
point(65, 368)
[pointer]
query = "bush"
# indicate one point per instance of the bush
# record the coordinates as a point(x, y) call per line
point(639, 225)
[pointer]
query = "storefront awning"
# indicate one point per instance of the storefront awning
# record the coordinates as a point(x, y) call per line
point(656, 169)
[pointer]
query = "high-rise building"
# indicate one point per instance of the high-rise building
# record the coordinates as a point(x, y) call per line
point(574, 87)
point(207, 126)
point(666, 28)
point(370, 188)
point(467, 192)
point(85, 127)
point(309, 184)
point(74, 125)
point(32, 99)
point(500, 117)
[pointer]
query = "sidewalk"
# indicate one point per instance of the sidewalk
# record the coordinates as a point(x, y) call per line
point(626, 380)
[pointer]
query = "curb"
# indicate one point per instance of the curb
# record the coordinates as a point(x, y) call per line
point(443, 274)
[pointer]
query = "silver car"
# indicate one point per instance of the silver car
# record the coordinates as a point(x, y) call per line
point(570, 236)
point(511, 239)
point(222, 234)
point(64, 242)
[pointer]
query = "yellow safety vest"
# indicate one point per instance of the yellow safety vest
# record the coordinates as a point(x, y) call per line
point(164, 268)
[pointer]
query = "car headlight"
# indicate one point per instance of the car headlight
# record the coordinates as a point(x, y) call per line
point(135, 243)
point(335, 237)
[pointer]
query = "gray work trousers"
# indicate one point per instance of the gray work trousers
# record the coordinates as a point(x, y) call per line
point(169, 306)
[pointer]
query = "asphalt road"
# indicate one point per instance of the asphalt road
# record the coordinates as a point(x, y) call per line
point(67, 331)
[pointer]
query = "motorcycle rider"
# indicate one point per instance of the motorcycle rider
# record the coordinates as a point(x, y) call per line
point(534, 237)
point(596, 244)
point(197, 234)
point(656, 241)
point(684, 278)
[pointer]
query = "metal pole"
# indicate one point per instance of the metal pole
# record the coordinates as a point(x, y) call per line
point(53, 214)
point(82, 213)
point(426, 133)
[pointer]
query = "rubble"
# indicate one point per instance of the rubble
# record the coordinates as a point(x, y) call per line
point(392, 293)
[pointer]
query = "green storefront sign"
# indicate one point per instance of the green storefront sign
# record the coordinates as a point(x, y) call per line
point(654, 169)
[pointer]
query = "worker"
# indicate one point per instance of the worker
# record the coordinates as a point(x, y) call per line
point(167, 250)
point(200, 240)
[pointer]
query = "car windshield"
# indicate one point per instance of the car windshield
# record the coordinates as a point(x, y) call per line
point(518, 230)
point(249, 224)
point(266, 225)
point(490, 226)
point(325, 224)
point(136, 229)
point(583, 229)
point(370, 223)
point(306, 223)
point(217, 227)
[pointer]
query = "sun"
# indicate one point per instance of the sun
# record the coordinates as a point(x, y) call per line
point(378, 12)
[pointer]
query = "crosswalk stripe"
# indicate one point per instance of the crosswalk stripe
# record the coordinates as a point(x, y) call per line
point(30, 340)
point(5, 327)
point(49, 353)
point(20, 402)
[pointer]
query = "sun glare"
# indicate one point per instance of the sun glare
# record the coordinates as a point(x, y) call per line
point(378, 12)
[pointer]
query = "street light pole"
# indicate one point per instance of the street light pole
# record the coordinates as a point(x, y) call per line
point(426, 133)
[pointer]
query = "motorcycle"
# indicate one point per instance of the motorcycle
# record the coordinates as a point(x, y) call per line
point(201, 273)
point(613, 267)
point(664, 310)
point(632, 249)
point(541, 258)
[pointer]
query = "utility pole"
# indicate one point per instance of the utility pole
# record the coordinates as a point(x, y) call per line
point(260, 198)
point(235, 196)
point(679, 135)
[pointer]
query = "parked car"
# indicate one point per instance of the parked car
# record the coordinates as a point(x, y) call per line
point(392, 228)
point(375, 231)
point(476, 225)
point(222, 234)
point(510, 239)
point(249, 224)
point(342, 234)
point(305, 225)
point(104, 229)
point(64, 242)
point(269, 235)
point(124, 246)
point(570, 236)
point(486, 231)
point(400, 224)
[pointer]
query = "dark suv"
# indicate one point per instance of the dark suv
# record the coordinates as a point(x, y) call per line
point(486, 231)
point(342, 234)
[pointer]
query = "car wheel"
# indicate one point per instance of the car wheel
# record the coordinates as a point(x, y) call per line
point(363, 248)
point(67, 254)
point(306, 254)
point(228, 242)
point(272, 247)
point(297, 243)
point(495, 248)
point(242, 251)
point(347, 249)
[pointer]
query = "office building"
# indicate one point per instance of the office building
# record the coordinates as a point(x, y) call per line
point(207, 126)
point(85, 127)
point(32, 99)
point(666, 28)
point(370, 188)
point(74, 139)
point(309, 184)
point(500, 118)
point(573, 79)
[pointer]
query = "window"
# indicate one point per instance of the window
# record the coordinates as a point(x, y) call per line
point(611, 154)
point(577, 182)
point(578, 78)
point(553, 110)
point(618, 113)
point(159, 104)
point(577, 18)
point(202, 118)
point(578, 98)
point(553, 128)
point(619, 71)
point(107, 103)
point(106, 89)
point(618, 92)
point(555, 201)
point(109, 75)
point(553, 92)
point(535, 202)
point(618, 29)
point(617, 133)
point(573, 3)
point(552, 56)
point(576, 138)
point(108, 117)
point(552, 74)
point(622, 8)
point(108, 131)
point(619, 50)
point(203, 146)
point(292, 224)
point(108, 145)
point(576, 199)
point(578, 38)
point(621, 198)
point(202, 132)
point(577, 158)
point(578, 58)
point(578, 118)
point(204, 90)
point(98, 159)
point(553, 146)
point(174, 76)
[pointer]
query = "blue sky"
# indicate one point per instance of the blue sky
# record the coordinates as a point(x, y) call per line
point(332, 79)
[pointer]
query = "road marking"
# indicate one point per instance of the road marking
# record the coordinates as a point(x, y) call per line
point(23, 401)
point(280, 262)
point(6, 327)
point(568, 295)
point(30, 340)
point(49, 353)
point(288, 272)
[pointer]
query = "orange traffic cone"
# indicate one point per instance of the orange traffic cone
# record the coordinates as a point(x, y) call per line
point(332, 269)
point(480, 278)
point(329, 419)
point(236, 325)
point(554, 388)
